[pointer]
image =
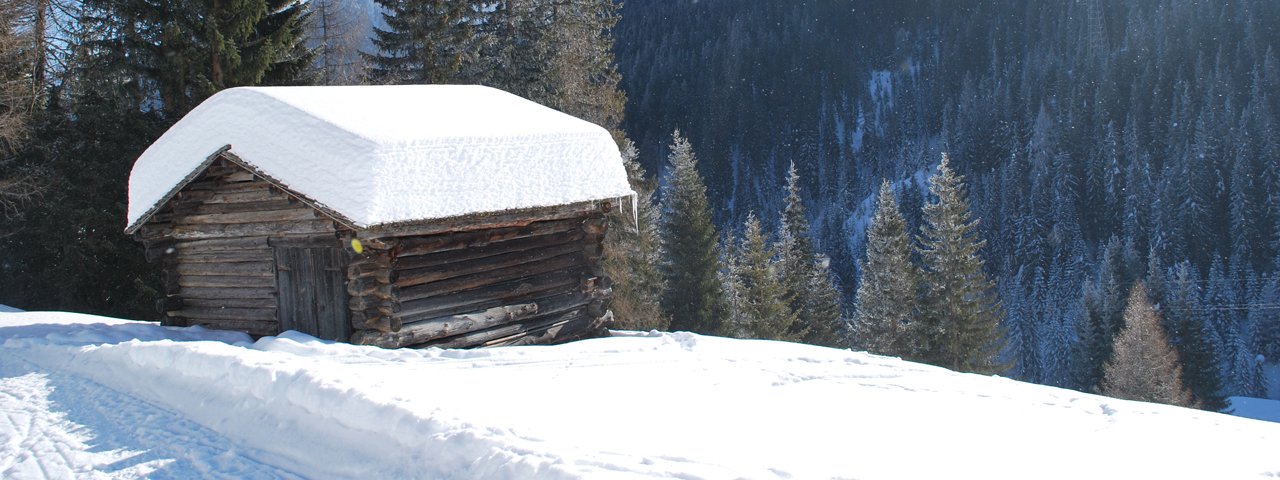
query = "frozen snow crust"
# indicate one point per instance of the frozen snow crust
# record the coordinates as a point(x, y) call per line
point(389, 154)
point(93, 397)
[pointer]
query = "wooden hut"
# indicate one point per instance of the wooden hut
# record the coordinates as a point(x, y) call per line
point(452, 216)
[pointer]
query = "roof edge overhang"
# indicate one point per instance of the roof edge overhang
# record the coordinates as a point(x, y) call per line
point(226, 153)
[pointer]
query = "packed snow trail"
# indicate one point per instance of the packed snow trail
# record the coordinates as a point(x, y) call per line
point(632, 406)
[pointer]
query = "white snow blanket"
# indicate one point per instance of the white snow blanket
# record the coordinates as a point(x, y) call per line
point(92, 397)
point(388, 154)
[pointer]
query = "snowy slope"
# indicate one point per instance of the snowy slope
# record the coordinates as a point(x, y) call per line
point(125, 399)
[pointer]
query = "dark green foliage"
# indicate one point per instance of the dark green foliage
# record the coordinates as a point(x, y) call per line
point(762, 301)
point(693, 295)
point(130, 71)
point(961, 315)
point(431, 41)
point(806, 275)
point(885, 308)
point(631, 256)
point(1192, 337)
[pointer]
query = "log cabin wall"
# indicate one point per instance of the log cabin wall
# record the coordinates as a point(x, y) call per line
point(539, 282)
point(215, 238)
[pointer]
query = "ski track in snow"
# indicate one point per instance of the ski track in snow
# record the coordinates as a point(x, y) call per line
point(129, 400)
point(58, 425)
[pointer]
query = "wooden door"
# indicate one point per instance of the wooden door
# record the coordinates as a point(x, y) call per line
point(311, 294)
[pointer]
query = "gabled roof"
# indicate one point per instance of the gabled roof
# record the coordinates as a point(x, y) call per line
point(378, 155)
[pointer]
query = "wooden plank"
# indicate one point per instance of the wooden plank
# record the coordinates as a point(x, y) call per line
point(511, 218)
point(426, 330)
point(224, 256)
point(256, 216)
point(227, 292)
point(506, 293)
point(225, 281)
point(230, 302)
point(455, 241)
point(559, 332)
point(219, 244)
point(471, 339)
point(409, 278)
point(404, 263)
point(318, 241)
point(245, 269)
point(569, 261)
point(196, 232)
point(267, 205)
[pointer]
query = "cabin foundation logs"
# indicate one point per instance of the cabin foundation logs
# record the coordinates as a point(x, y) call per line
point(539, 282)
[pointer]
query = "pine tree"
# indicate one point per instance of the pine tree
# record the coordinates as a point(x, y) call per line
point(961, 315)
point(693, 297)
point(1192, 337)
point(1144, 366)
point(427, 41)
point(20, 96)
point(814, 296)
point(763, 300)
point(886, 297)
point(631, 256)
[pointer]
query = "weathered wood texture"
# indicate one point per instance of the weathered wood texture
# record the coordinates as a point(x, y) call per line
point(476, 287)
point(215, 241)
point(240, 253)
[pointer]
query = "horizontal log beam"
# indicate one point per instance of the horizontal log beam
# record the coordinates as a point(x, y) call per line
point(227, 292)
point(569, 261)
point(246, 269)
point(227, 218)
point(237, 281)
point(518, 291)
point(407, 247)
point(513, 218)
point(430, 329)
point(252, 327)
point(404, 263)
point(196, 232)
point(479, 337)
point(409, 278)
point(224, 256)
point(230, 302)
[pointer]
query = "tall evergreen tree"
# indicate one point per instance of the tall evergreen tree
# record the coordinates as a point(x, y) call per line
point(805, 274)
point(20, 96)
point(1191, 335)
point(1144, 366)
point(763, 304)
point(960, 314)
point(693, 296)
point(428, 41)
point(631, 256)
point(885, 305)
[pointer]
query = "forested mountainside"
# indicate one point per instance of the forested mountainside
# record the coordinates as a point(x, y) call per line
point(1103, 142)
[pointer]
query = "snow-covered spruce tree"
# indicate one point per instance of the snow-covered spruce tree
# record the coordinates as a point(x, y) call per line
point(890, 286)
point(1143, 365)
point(425, 41)
point(631, 256)
point(961, 315)
point(1191, 336)
point(764, 302)
point(806, 274)
point(693, 297)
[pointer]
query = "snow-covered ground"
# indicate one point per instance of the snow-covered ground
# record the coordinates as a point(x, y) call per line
point(87, 397)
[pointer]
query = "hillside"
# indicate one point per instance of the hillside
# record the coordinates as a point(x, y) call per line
point(95, 397)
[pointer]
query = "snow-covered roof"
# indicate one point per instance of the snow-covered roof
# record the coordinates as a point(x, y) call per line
point(378, 155)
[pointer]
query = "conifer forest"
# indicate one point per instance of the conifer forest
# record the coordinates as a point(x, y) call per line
point(1082, 193)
